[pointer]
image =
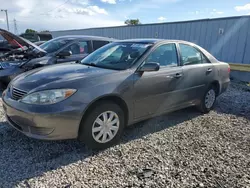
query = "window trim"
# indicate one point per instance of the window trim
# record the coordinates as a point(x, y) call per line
point(195, 47)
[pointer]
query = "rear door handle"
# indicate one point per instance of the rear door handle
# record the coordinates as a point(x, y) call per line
point(178, 75)
point(209, 70)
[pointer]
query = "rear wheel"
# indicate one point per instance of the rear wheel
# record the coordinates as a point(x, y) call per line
point(102, 126)
point(208, 100)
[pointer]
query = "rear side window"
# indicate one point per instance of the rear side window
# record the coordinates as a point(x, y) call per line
point(98, 44)
point(191, 56)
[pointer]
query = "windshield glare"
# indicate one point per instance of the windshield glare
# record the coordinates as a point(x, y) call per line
point(118, 56)
point(54, 45)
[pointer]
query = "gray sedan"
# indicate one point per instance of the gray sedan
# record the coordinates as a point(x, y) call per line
point(118, 85)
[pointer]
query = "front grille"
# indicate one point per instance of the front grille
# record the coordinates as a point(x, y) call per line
point(17, 93)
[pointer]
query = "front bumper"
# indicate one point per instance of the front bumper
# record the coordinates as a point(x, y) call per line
point(49, 122)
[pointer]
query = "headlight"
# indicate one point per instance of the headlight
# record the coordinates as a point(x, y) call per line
point(43, 62)
point(48, 96)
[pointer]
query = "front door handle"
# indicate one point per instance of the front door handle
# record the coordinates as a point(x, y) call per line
point(178, 75)
point(209, 70)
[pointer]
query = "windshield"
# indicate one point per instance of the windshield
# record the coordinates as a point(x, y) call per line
point(54, 45)
point(118, 56)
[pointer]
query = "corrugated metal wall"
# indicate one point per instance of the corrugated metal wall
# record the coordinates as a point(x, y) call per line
point(228, 39)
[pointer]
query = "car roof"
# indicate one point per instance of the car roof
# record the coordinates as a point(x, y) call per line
point(153, 41)
point(86, 37)
point(147, 40)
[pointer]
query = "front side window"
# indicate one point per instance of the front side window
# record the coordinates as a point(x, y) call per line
point(191, 56)
point(165, 55)
point(83, 47)
point(54, 45)
point(78, 48)
point(117, 56)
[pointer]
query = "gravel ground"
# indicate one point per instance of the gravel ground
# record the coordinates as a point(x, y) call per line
point(181, 149)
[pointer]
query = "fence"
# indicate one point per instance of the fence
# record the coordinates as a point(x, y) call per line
point(228, 39)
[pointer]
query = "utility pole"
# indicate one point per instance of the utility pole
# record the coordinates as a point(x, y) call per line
point(15, 27)
point(7, 19)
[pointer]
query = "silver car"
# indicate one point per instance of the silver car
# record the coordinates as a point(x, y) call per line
point(118, 85)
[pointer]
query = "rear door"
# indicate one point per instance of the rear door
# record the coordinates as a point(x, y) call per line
point(198, 72)
point(159, 91)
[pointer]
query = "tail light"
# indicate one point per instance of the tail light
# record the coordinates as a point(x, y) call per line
point(229, 69)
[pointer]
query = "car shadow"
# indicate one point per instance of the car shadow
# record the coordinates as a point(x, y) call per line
point(159, 123)
point(22, 158)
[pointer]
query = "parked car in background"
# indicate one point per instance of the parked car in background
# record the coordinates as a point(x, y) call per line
point(35, 37)
point(59, 50)
point(117, 85)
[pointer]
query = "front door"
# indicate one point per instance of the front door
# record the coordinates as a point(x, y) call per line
point(156, 92)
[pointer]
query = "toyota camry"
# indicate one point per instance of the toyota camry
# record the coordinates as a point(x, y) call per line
point(118, 85)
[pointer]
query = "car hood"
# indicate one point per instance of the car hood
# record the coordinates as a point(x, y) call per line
point(57, 76)
point(18, 41)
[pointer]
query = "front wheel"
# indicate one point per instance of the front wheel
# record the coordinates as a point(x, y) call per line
point(102, 126)
point(208, 100)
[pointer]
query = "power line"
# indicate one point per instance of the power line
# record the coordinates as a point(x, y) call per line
point(56, 7)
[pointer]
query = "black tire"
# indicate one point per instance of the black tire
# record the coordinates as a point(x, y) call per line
point(202, 106)
point(85, 131)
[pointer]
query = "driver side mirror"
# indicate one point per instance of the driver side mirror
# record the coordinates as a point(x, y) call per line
point(64, 53)
point(149, 67)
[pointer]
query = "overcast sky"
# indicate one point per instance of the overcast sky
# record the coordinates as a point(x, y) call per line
point(78, 14)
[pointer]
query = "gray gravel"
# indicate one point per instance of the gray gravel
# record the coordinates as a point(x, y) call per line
point(181, 149)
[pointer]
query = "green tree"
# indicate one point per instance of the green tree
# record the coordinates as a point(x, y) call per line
point(30, 31)
point(132, 22)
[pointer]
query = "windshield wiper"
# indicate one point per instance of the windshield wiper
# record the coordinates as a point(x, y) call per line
point(90, 64)
point(104, 67)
